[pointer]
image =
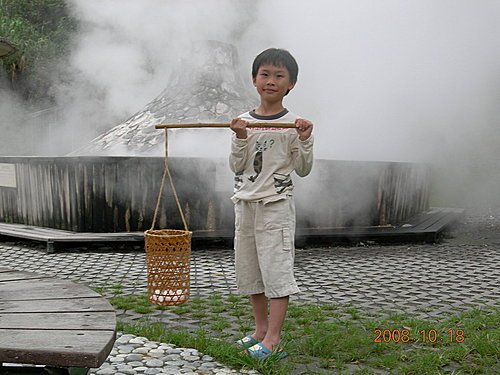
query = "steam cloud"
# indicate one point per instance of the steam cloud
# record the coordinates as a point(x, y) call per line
point(388, 80)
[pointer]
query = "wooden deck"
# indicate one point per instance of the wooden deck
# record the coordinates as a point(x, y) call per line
point(55, 237)
point(423, 227)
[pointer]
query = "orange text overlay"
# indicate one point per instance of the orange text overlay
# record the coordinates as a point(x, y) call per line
point(423, 335)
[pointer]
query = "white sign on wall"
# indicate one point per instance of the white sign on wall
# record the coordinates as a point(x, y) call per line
point(8, 175)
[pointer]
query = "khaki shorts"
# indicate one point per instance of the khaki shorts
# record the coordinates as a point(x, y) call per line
point(264, 247)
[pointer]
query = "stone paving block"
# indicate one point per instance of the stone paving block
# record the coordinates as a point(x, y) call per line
point(412, 279)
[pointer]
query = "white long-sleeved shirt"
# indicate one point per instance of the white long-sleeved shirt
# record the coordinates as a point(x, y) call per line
point(264, 161)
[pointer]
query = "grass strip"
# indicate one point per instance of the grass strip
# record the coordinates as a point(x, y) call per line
point(326, 339)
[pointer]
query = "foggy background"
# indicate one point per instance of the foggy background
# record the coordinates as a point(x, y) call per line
point(389, 80)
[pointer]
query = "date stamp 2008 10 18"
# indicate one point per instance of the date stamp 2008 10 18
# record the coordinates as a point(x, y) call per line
point(423, 335)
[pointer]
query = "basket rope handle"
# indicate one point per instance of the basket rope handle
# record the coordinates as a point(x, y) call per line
point(166, 172)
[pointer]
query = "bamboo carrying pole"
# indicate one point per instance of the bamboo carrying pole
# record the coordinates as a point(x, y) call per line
point(225, 125)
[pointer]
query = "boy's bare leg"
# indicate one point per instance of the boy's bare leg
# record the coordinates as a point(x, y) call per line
point(259, 306)
point(277, 314)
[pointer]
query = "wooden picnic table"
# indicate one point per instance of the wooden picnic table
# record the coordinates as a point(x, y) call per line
point(52, 322)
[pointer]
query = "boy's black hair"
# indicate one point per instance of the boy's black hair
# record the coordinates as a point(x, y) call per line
point(277, 57)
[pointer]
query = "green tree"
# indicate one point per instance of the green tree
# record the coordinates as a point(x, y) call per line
point(42, 31)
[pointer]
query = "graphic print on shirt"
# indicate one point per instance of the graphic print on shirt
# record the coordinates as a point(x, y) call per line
point(238, 181)
point(258, 159)
point(282, 182)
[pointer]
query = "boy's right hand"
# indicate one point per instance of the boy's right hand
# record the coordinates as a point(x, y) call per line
point(239, 126)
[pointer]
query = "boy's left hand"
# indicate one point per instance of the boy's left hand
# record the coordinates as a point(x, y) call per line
point(304, 128)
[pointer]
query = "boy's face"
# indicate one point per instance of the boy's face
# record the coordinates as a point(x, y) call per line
point(272, 82)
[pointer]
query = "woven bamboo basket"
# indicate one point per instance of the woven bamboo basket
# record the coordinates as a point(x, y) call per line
point(168, 255)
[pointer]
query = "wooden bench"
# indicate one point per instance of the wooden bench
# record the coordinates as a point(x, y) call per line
point(66, 327)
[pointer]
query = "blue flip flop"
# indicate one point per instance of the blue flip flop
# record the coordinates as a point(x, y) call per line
point(259, 351)
point(246, 342)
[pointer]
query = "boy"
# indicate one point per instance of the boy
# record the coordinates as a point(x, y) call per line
point(263, 160)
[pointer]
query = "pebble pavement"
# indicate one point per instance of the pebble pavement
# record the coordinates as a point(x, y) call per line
point(133, 355)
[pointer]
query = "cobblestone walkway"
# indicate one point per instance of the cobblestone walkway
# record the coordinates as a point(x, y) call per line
point(427, 280)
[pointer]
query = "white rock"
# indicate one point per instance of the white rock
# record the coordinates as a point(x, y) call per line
point(137, 340)
point(154, 363)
